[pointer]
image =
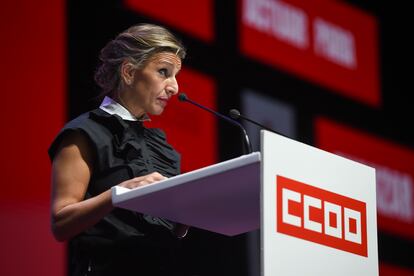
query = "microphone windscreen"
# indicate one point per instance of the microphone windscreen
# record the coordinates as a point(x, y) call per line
point(182, 97)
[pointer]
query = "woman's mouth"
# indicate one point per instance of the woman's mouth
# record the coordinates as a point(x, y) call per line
point(163, 101)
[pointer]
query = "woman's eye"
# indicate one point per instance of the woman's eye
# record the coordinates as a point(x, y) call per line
point(163, 72)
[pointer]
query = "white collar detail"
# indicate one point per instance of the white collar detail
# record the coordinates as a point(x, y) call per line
point(112, 107)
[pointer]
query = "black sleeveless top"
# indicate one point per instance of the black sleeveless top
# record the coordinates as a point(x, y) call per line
point(123, 150)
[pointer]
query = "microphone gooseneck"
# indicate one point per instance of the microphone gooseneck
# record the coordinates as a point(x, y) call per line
point(235, 114)
point(247, 146)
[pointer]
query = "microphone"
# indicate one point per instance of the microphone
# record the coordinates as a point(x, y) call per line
point(247, 146)
point(235, 114)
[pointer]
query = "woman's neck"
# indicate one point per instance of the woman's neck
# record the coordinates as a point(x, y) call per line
point(137, 114)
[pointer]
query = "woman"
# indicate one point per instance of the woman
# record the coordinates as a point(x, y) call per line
point(110, 146)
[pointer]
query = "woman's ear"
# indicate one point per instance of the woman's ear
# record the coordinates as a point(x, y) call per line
point(127, 72)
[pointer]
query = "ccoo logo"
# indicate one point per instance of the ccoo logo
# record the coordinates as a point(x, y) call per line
point(320, 216)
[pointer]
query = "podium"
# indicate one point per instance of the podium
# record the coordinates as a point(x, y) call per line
point(316, 210)
point(222, 198)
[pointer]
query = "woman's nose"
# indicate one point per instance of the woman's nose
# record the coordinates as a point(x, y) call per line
point(172, 88)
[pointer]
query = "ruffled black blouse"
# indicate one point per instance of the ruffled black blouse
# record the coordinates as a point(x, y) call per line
point(123, 150)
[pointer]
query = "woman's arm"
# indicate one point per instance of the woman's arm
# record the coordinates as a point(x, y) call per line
point(71, 173)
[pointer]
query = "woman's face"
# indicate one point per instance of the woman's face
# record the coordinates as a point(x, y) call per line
point(153, 85)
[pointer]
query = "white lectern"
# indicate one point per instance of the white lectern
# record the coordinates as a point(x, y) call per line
point(222, 198)
point(316, 210)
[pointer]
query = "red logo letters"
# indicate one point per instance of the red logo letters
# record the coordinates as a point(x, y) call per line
point(320, 216)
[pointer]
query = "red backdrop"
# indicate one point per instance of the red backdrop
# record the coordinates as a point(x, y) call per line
point(193, 17)
point(328, 42)
point(32, 75)
point(394, 166)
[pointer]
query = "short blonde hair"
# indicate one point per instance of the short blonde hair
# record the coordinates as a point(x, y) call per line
point(136, 44)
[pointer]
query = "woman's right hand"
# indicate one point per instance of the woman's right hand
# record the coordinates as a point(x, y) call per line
point(142, 180)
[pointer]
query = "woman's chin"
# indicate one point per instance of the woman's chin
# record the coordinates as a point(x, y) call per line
point(156, 112)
